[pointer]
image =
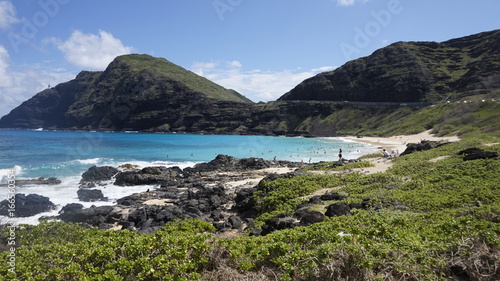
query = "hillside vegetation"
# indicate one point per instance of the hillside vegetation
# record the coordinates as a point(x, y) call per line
point(462, 119)
point(475, 118)
point(163, 67)
point(413, 72)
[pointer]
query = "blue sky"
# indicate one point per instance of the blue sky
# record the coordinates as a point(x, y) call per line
point(261, 48)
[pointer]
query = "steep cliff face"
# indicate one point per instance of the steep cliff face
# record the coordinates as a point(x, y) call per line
point(48, 108)
point(413, 72)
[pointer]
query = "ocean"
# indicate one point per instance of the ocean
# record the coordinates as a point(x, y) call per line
point(66, 155)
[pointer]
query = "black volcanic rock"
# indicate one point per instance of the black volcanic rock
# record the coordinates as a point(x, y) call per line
point(280, 222)
point(38, 181)
point(332, 196)
point(148, 175)
point(338, 209)
point(93, 215)
point(90, 195)
point(97, 174)
point(477, 153)
point(412, 72)
point(229, 163)
point(308, 217)
point(27, 206)
point(422, 146)
point(71, 207)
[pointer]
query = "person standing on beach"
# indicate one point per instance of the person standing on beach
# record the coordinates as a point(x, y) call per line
point(340, 154)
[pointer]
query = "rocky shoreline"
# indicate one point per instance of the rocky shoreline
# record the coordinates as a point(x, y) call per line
point(218, 191)
point(40, 181)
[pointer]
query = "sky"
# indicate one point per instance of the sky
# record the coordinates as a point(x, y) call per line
point(261, 48)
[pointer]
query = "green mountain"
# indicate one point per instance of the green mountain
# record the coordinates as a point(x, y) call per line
point(136, 92)
point(413, 72)
point(163, 67)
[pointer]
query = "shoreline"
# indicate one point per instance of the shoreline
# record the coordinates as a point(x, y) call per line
point(233, 181)
point(399, 142)
point(249, 178)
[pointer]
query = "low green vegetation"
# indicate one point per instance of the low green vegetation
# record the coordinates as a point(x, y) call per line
point(284, 195)
point(61, 251)
point(471, 119)
point(334, 166)
point(433, 217)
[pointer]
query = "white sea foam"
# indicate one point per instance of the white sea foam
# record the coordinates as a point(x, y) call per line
point(143, 164)
point(66, 193)
point(88, 161)
point(5, 173)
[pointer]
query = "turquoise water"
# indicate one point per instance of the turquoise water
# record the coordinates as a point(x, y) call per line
point(62, 154)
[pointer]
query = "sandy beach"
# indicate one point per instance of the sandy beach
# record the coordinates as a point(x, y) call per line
point(381, 164)
point(398, 143)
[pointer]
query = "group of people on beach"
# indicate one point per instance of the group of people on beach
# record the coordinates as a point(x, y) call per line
point(394, 153)
point(385, 153)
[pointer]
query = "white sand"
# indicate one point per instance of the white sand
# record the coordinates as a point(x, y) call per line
point(395, 143)
point(249, 182)
point(158, 202)
point(399, 142)
point(280, 170)
point(256, 176)
point(381, 165)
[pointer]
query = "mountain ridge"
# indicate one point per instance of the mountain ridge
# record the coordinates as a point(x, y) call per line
point(412, 72)
point(143, 93)
point(161, 66)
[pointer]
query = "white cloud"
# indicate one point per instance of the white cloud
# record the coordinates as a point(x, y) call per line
point(256, 84)
point(235, 64)
point(5, 79)
point(7, 14)
point(26, 81)
point(346, 3)
point(322, 69)
point(200, 67)
point(93, 51)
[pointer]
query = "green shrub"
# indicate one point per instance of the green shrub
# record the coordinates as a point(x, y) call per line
point(283, 195)
point(332, 166)
point(61, 251)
